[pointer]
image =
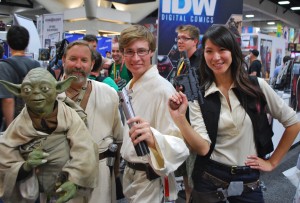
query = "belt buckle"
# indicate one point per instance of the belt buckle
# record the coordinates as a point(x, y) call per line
point(233, 169)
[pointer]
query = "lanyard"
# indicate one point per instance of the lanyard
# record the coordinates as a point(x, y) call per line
point(120, 70)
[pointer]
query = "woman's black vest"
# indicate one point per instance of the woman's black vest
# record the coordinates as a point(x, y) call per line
point(262, 129)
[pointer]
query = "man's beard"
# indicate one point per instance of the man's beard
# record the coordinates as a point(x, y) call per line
point(81, 77)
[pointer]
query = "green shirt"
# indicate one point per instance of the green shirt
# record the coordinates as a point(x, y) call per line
point(107, 81)
point(124, 73)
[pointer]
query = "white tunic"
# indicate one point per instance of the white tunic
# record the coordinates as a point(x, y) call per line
point(150, 95)
point(105, 126)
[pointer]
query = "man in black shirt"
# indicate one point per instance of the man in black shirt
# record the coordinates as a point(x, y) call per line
point(255, 64)
point(187, 40)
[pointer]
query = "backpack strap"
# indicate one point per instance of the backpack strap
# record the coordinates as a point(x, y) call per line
point(14, 64)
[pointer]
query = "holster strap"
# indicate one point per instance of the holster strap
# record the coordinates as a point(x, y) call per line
point(208, 197)
point(221, 193)
point(223, 184)
point(106, 154)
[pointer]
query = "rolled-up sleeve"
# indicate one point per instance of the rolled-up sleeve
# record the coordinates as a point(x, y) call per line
point(277, 107)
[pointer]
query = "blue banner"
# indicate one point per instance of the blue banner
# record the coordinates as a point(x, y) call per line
point(73, 36)
point(200, 13)
point(104, 43)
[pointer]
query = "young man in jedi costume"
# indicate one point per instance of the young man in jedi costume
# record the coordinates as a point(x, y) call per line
point(47, 139)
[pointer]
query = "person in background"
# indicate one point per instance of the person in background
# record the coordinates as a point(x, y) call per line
point(144, 175)
point(100, 102)
point(118, 70)
point(2, 26)
point(230, 131)
point(93, 41)
point(277, 69)
point(2, 51)
point(108, 54)
point(255, 64)
point(187, 40)
point(17, 38)
point(98, 74)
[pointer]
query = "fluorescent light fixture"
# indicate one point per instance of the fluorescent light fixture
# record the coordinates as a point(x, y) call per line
point(271, 23)
point(249, 16)
point(295, 8)
point(283, 2)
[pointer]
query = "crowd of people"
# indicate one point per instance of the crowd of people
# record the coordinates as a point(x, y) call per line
point(67, 142)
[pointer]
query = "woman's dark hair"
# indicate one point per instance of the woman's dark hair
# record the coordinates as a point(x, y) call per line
point(221, 36)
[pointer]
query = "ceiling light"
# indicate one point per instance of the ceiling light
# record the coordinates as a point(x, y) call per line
point(295, 8)
point(249, 16)
point(271, 23)
point(283, 2)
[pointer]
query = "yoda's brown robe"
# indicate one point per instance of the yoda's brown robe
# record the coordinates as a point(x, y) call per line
point(70, 147)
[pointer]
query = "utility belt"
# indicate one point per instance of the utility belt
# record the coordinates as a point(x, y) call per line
point(151, 175)
point(110, 154)
point(225, 189)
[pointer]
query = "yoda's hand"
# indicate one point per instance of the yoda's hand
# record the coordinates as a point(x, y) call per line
point(35, 158)
point(67, 190)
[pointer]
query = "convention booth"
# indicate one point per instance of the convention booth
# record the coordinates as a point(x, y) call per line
point(272, 51)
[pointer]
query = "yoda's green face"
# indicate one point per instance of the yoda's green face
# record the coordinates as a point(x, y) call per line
point(39, 93)
point(39, 90)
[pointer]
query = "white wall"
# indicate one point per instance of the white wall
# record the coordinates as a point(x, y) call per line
point(34, 41)
point(3, 35)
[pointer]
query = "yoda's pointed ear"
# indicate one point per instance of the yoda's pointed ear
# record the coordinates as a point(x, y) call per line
point(13, 88)
point(61, 86)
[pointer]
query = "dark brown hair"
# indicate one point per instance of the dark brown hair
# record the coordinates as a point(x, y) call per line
point(221, 36)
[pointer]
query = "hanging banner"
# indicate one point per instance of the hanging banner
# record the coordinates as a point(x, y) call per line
point(200, 13)
point(52, 29)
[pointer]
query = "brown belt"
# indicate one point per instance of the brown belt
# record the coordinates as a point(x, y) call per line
point(137, 166)
point(151, 175)
point(106, 154)
point(232, 169)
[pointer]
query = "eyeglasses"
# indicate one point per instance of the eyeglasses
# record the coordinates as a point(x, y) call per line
point(140, 52)
point(184, 39)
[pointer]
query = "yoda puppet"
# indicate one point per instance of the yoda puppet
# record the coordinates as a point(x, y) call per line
point(47, 149)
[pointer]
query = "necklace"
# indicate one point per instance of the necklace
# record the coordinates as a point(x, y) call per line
point(78, 96)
